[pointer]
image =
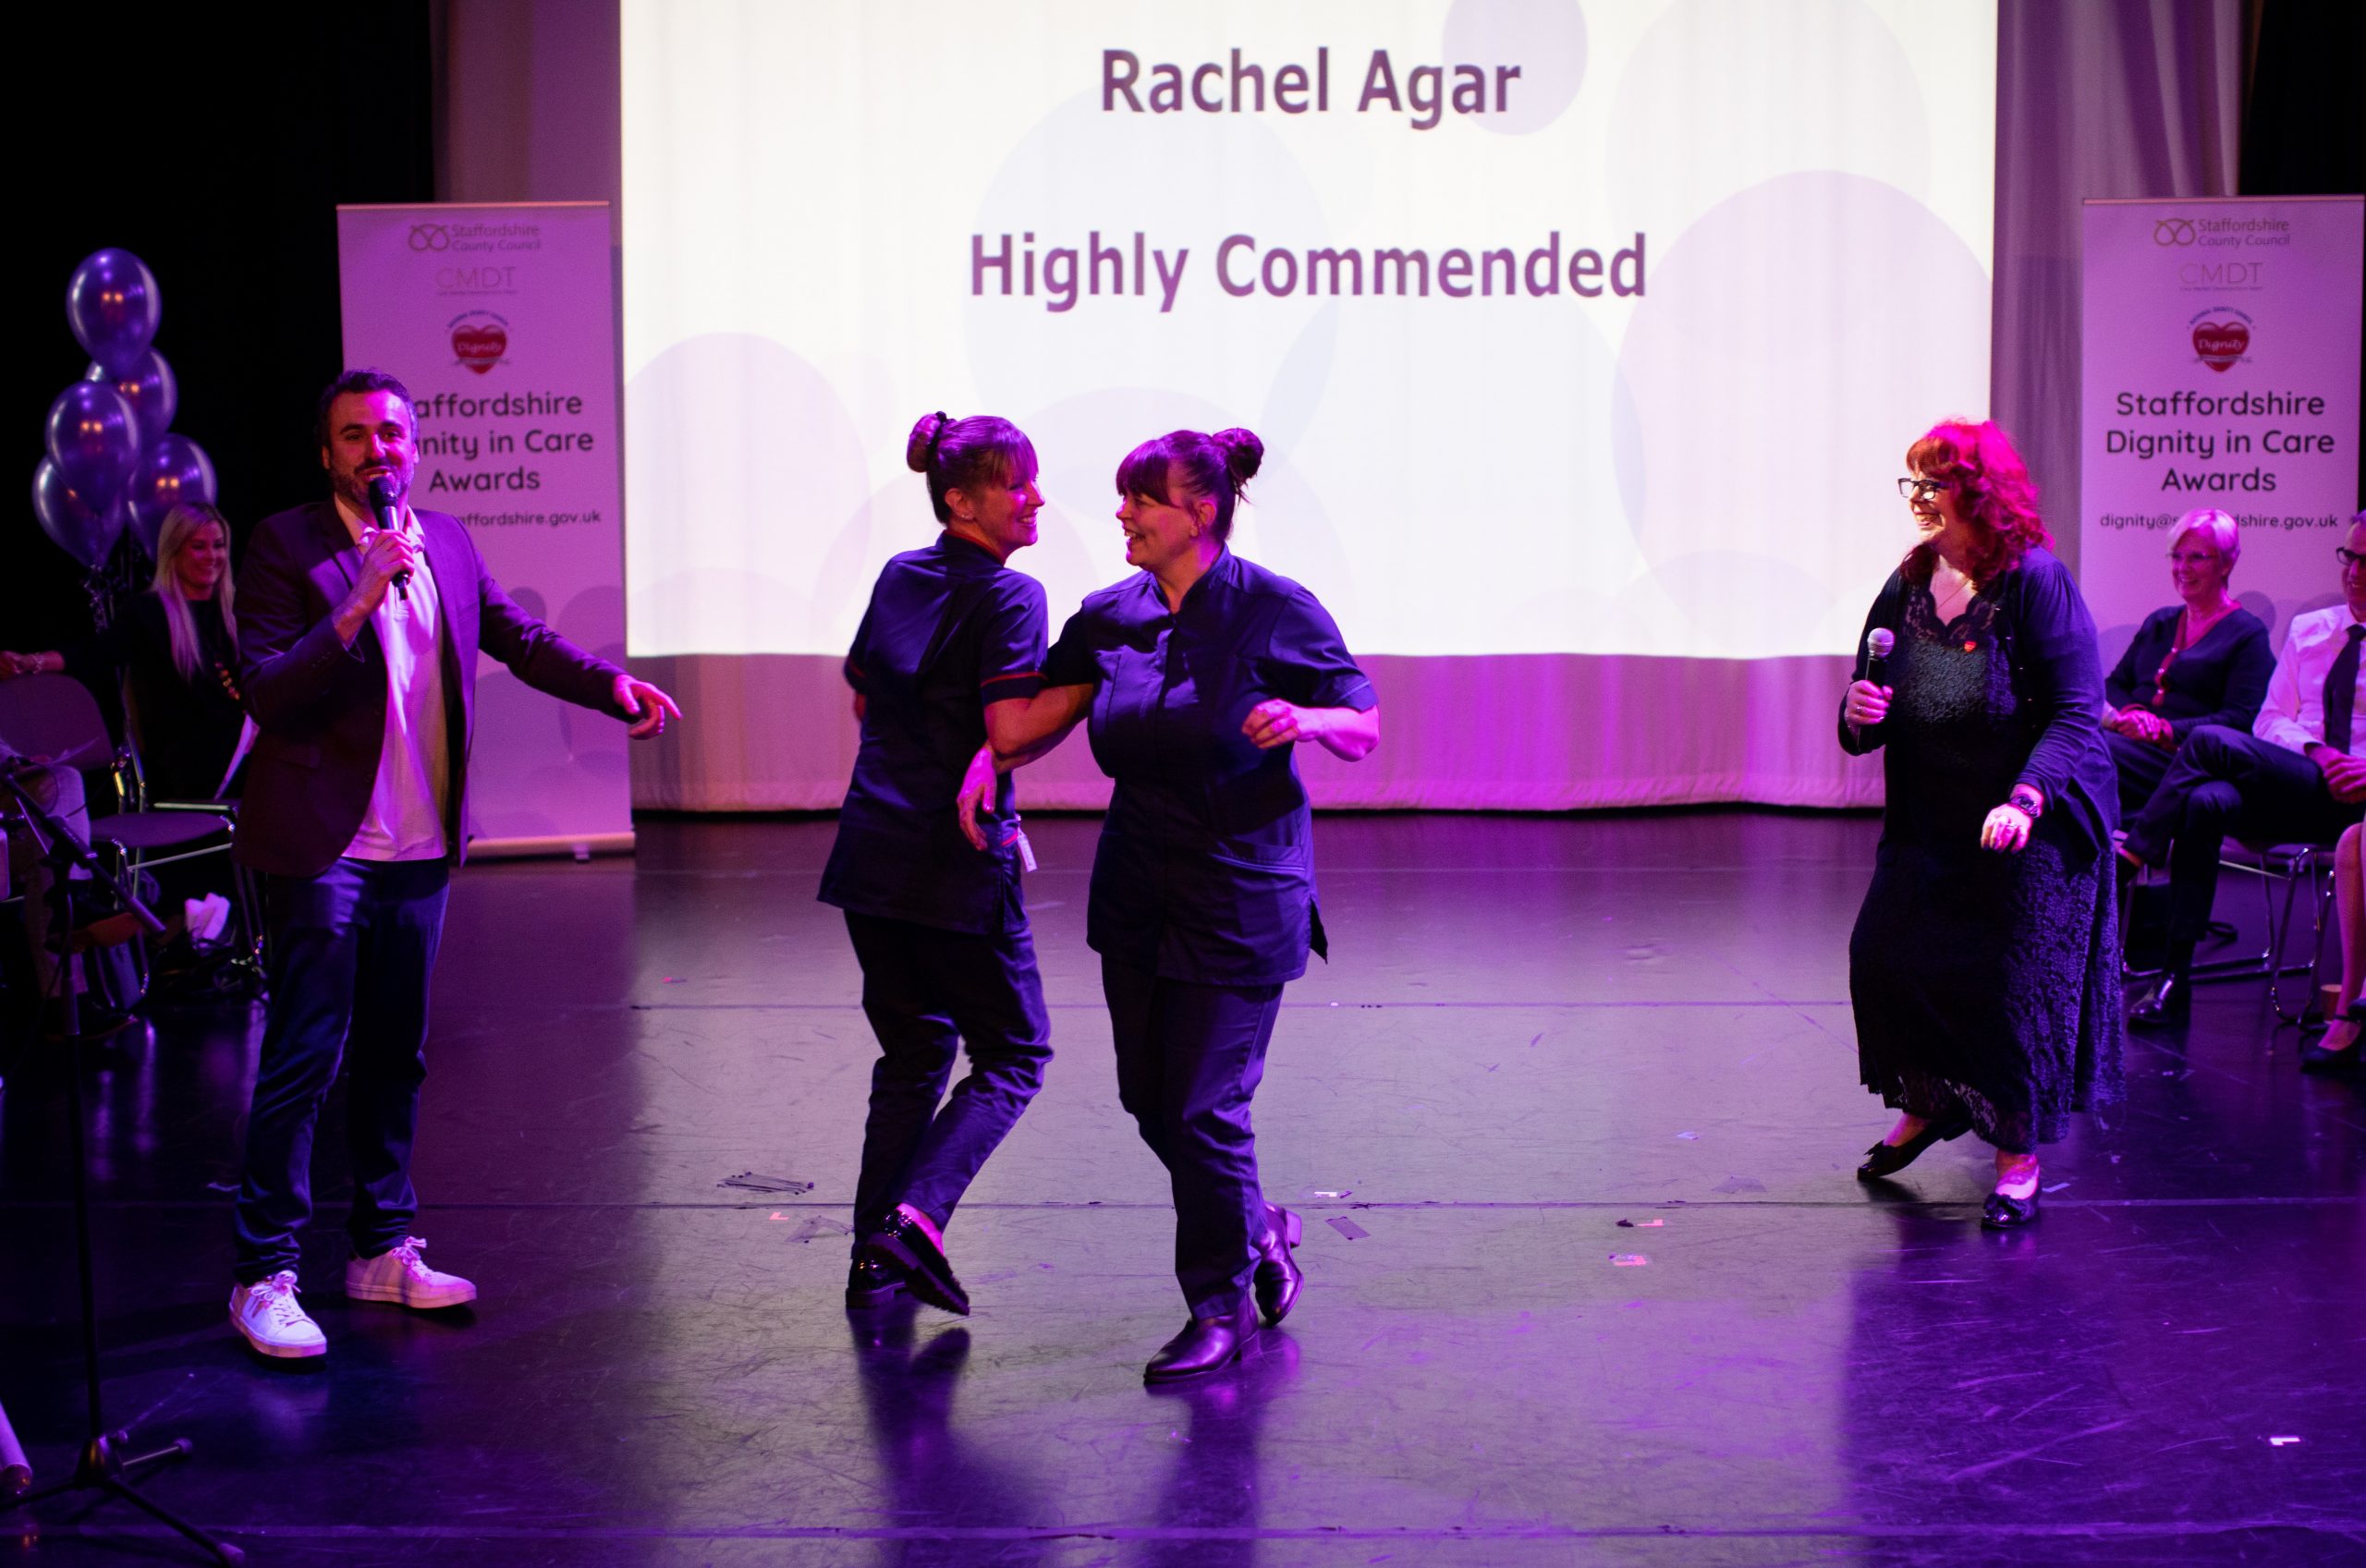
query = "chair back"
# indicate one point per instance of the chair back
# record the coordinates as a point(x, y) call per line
point(53, 720)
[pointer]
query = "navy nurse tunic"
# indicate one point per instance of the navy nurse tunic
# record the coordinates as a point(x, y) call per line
point(1205, 871)
point(950, 629)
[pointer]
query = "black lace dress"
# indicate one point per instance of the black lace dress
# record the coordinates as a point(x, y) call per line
point(1985, 984)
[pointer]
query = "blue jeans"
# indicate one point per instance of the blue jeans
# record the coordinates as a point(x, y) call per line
point(1190, 1058)
point(928, 993)
point(351, 950)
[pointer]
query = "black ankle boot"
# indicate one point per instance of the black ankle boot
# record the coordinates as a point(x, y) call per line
point(1206, 1345)
point(1278, 1277)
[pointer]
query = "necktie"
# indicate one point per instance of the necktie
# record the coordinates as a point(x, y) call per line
point(2341, 690)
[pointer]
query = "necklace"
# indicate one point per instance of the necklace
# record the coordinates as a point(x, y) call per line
point(1961, 592)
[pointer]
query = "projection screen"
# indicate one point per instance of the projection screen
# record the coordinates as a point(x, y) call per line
point(1570, 330)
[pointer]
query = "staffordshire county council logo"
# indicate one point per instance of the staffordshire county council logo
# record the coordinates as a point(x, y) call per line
point(2222, 337)
point(430, 237)
point(2168, 231)
point(479, 339)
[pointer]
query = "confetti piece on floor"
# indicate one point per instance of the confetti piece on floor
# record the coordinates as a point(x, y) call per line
point(2280, 1442)
point(751, 1181)
point(1640, 1224)
point(1327, 1192)
point(818, 1229)
point(1688, 1137)
point(1628, 1260)
point(1347, 1228)
point(671, 980)
point(2058, 1187)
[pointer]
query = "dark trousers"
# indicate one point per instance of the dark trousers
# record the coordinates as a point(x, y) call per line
point(2141, 767)
point(2223, 782)
point(1188, 1061)
point(351, 950)
point(928, 993)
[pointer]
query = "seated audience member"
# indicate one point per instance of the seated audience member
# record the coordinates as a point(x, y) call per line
point(174, 650)
point(2339, 1051)
point(173, 653)
point(2292, 779)
point(2204, 660)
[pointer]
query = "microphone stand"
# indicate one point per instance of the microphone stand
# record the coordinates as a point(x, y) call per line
point(102, 1466)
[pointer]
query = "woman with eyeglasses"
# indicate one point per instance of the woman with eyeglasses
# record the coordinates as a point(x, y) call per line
point(1984, 965)
point(2204, 660)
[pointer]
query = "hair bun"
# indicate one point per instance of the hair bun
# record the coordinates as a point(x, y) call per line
point(1243, 454)
point(922, 445)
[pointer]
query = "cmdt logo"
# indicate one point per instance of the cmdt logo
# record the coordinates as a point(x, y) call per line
point(2168, 231)
point(430, 237)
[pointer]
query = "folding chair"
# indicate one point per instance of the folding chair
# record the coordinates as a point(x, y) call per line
point(55, 720)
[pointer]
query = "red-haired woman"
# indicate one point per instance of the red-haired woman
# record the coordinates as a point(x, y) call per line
point(1984, 966)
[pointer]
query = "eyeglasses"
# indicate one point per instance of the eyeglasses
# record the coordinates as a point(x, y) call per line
point(1921, 489)
point(2192, 557)
point(2349, 557)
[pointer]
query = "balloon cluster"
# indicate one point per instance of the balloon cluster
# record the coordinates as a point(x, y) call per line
point(114, 465)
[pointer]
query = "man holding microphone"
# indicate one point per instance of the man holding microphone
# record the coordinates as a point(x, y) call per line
point(360, 623)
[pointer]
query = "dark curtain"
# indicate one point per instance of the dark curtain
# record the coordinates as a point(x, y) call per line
point(216, 143)
point(2303, 131)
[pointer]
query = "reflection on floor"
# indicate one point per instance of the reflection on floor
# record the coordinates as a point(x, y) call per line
point(1534, 1032)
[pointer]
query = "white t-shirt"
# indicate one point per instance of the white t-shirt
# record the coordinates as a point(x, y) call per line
point(405, 821)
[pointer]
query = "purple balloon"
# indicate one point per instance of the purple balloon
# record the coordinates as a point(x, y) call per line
point(172, 472)
point(113, 306)
point(83, 530)
point(151, 390)
point(92, 436)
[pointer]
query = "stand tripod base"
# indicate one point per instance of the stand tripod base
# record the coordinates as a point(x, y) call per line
point(100, 1468)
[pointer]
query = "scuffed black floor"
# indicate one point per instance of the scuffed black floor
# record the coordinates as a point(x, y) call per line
point(1534, 1028)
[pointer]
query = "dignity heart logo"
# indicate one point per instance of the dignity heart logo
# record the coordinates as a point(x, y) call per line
point(2221, 344)
point(479, 341)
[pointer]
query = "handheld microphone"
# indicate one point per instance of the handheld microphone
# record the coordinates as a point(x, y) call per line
point(1878, 645)
point(385, 503)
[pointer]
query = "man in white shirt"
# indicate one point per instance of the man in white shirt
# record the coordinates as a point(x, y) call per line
point(358, 634)
point(2293, 779)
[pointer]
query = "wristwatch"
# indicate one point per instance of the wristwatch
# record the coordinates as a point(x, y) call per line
point(2026, 801)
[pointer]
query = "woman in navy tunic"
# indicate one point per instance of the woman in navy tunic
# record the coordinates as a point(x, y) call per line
point(1199, 674)
point(953, 642)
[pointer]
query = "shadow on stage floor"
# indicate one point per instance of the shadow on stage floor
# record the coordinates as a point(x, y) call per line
point(1535, 1031)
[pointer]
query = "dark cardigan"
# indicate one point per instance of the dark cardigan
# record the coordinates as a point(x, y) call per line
point(2049, 639)
point(2220, 680)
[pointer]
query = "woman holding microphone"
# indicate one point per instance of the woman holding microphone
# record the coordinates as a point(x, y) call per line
point(1984, 965)
point(951, 646)
point(1196, 675)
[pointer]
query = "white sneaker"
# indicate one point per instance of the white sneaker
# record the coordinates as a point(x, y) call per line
point(397, 1275)
point(210, 917)
point(266, 1313)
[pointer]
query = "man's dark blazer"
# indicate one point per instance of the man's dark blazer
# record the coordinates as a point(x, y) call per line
point(321, 705)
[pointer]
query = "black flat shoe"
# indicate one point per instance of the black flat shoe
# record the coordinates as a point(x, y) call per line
point(905, 1248)
point(1205, 1345)
point(2003, 1213)
point(1278, 1277)
point(871, 1282)
point(1888, 1159)
point(2165, 1006)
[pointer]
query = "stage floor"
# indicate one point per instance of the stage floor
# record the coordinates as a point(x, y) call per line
point(1533, 1032)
